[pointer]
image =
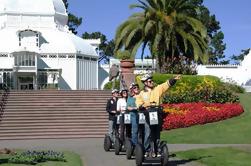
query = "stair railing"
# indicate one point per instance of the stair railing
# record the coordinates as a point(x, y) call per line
point(3, 100)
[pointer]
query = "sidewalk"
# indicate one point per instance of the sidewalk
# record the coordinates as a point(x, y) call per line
point(93, 154)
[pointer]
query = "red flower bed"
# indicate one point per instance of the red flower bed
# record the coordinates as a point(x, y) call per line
point(189, 114)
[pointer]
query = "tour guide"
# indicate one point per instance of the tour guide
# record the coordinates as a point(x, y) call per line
point(151, 94)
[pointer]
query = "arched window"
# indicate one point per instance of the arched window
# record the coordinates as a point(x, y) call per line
point(28, 38)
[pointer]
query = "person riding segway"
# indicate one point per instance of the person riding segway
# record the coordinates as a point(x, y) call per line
point(132, 108)
point(111, 107)
point(123, 119)
point(149, 101)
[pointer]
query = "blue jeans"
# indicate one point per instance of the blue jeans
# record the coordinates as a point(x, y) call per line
point(147, 137)
point(110, 131)
point(134, 121)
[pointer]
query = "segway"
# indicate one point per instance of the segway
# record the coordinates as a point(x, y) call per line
point(158, 149)
point(129, 146)
point(124, 134)
point(108, 141)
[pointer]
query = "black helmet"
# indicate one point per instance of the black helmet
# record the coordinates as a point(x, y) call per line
point(123, 90)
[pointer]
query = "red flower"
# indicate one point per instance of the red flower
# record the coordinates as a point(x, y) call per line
point(199, 113)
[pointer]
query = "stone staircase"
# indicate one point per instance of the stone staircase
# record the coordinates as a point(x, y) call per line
point(54, 114)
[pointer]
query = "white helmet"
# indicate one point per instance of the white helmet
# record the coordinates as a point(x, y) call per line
point(146, 77)
point(115, 91)
point(133, 85)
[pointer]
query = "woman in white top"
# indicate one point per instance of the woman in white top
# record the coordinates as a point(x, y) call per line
point(122, 102)
point(121, 108)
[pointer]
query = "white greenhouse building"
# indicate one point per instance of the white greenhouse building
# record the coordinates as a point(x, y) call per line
point(37, 50)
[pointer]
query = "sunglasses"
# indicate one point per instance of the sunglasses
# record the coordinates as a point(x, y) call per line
point(135, 87)
point(150, 81)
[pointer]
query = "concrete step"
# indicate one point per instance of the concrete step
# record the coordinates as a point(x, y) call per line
point(48, 130)
point(52, 99)
point(61, 91)
point(60, 117)
point(51, 107)
point(56, 109)
point(72, 136)
point(31, 121)
point(65, 112)
point(55, 124)
point(53, 115)
point(66, 127)
point(56, 102)
point(53, 133)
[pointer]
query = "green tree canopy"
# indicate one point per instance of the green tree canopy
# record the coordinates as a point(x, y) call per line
point(238, 58)
point(106, 47)
point(73, 21)
point(168, 27)
point(216, 45)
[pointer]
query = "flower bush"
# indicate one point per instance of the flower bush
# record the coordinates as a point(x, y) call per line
point(196, 89)
point(189, 114)
point(34, 157)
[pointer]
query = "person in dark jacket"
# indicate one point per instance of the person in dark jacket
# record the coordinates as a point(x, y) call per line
point(111, 108)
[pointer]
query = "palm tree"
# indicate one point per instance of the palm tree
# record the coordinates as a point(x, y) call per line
point(168, 27)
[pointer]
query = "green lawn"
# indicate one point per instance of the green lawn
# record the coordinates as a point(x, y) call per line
point(232, 131)
point(217, 156)
point(72, 159)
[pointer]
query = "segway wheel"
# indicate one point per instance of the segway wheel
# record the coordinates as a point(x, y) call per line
point(164, 156)
point(117, 146)
point(139, 154)
point(129, 149)
point(107, 143)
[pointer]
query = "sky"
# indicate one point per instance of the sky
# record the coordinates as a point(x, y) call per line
point(106, 15)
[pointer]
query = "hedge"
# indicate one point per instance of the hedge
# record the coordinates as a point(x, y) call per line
point(108, 86)
point(194, 88)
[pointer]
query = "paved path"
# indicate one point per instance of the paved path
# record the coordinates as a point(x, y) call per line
point(93, 154)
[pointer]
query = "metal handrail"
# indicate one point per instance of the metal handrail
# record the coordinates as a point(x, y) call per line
point(3, 100)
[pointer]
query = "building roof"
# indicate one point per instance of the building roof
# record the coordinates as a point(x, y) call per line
point(35, 7)
point(49, 19)
point(32, 6)
point(54, 41)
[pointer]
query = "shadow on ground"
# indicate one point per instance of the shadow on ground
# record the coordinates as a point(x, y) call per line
point(2, 161)
point(174, 162)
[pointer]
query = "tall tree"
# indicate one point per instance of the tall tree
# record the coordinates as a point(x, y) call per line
point(216, 45)
point(168, 27)
point(106, 47)
point(238, 58)
point(73, 21)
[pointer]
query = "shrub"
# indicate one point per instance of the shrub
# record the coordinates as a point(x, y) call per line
point(108, 86)
point(34, 157)
point(193, 88)
point(219, 94)
point(233, 87)
point(187, 81)
point(124, 55)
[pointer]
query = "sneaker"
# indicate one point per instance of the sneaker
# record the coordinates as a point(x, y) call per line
point(153, 155)
point(146, 154)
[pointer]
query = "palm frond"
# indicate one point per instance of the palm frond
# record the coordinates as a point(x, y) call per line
point(131, 36)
